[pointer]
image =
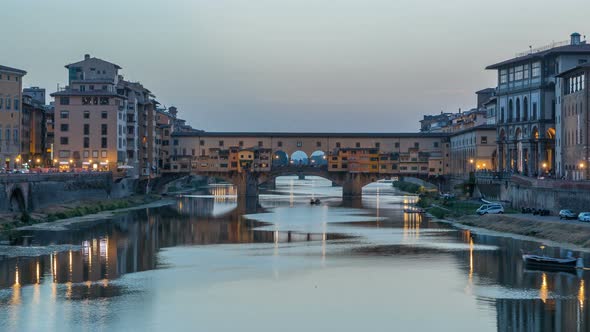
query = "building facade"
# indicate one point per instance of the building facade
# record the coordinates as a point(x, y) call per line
point(527, 99)
point(575, 122)
point(473, 150)
point(11, 117)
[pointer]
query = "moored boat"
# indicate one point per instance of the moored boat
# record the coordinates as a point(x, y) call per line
point(541, 261)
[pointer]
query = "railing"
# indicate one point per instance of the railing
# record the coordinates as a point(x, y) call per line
point(543, 48)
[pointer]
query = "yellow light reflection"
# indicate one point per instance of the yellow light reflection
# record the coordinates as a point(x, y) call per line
point(38, 272)
point(582, 294)
point(16, 277)
point(470, 259)
point(544, 292)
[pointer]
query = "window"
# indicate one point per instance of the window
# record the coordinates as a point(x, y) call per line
point(15, 135)
point(16, 104)
point(337, 144)
point(86, 115)
point(435, 144)
point(86, 100)
point(416, 145)
point(103, 129)
point(220, 143)
point(86, 154)
point(1, 102)
point(299, 144)
point(95, 154)
point(396, 144)
point(358, 144)
point(503, 76)
point(103, 143)
point(64, 114)
point(175, 142)
point(377, 145)
point(104, 114)
point(318, 144)
point(86, 129)
point(536, 69)
point(86, 142)
point(7, 103)
point(104, 100)
point(201, 143)
point(103, 154)
point(64, 153)
point(241, 143)
point(484, 140)
point(64, 100)
point(64, 127)
point(279, 144)
point(260, 144)
point(518, 75)
point(64, 140)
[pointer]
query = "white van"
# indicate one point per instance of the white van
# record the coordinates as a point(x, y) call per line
point(490, 209)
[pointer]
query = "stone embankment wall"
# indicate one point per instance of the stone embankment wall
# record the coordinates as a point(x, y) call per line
point(547, 194)
point(37, 191)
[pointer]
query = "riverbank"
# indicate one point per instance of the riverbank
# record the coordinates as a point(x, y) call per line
point(570, 232)
point(81, 209)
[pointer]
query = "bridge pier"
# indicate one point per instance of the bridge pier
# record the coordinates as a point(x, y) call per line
point(353, 184)
point(301, 176)
point(246, 184)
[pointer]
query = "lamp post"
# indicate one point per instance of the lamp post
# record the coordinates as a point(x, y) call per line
point(544, 168)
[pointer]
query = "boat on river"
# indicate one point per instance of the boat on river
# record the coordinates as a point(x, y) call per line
point(315, 201)
point(541, 261)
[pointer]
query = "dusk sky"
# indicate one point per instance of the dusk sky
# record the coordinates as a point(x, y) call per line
point(288, 65)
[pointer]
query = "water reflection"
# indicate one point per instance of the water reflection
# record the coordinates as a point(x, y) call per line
point(421, 264)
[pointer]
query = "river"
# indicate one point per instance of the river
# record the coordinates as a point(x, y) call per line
point(282, 264)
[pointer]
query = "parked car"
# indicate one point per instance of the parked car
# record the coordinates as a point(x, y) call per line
point(490, 209)
point(567, 214)
point(584, 216)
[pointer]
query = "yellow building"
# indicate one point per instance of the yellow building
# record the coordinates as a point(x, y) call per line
point(10, 116)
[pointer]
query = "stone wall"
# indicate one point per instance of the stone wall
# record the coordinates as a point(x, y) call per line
point(43, 190)
point(552, 195)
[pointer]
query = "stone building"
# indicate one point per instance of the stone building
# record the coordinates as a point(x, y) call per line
point(473, 150)
point(527, 100)
point(10, 117)
point(91, 118)
point(575, 122)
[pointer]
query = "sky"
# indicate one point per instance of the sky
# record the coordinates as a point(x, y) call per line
point(289, 65)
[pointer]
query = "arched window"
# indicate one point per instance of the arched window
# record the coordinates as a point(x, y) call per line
point(502, 115)
point(525, 109)
point(510, 111)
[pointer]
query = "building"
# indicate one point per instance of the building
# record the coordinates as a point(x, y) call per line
point(34, 132)
point(473, 150)
point(527, 100)
point(575, 122)
point(36, 93)
point(435, 123)
point(91, 118)
point(10, 116)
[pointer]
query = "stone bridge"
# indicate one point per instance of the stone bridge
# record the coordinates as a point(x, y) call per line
point(247, 183)
point(27, 192)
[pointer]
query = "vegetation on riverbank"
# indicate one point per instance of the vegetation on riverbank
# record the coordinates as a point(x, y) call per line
point(74, 209)
point(442, 208)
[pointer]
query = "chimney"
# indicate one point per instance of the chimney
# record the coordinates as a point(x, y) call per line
point(172, 110)
point(86, 56)
point(575, 39)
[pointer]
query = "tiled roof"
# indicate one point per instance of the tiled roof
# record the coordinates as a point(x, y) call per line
point(13, 70)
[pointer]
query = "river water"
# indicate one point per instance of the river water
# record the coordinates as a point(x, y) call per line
point(208, 263)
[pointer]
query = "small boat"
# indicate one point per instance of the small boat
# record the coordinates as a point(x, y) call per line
point(315, 201)
point(414, 211)
point(541, 261)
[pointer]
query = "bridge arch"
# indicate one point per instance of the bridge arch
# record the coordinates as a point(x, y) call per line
point(299, 158)
point(18, 202)
point(318, 158)
point(280, 158)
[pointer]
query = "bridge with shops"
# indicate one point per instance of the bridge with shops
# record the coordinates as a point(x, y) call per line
point(351, 160)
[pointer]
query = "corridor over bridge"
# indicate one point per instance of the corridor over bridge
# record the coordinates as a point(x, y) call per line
point(352, 160)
